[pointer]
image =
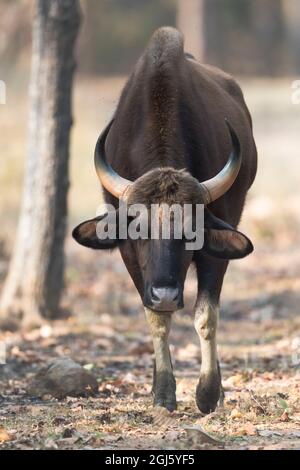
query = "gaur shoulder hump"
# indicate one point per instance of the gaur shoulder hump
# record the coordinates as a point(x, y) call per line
point(166, 42)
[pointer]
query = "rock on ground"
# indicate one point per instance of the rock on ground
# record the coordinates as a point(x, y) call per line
point(62, 378)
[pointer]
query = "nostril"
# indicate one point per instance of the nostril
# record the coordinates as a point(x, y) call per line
point(164, 294)
point(175, 294)
point(164, 299)
point(155, 293)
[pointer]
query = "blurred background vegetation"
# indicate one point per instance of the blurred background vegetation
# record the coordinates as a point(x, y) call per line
point(256, 37)
point(255, 40)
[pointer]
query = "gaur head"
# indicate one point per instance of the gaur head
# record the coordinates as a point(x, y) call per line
point(159, 264)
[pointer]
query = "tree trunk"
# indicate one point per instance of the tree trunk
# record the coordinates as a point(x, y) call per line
point(190, 21)
point(267, 21)
point(291, 9)
point(216, 48)
point(35, 279)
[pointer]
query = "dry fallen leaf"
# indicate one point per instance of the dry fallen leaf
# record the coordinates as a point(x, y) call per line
point(235, 381)
point(249, 429)
point(235, 414)
point(284, 417)
point(4, 436)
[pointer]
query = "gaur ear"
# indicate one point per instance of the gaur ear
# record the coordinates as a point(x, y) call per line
point(88, 233)
point(221, 240)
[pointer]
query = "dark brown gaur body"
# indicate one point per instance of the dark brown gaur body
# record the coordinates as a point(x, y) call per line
point(171, 117)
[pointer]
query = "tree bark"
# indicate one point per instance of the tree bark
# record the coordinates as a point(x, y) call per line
point(216, 50)
point(190, 21)
point(267, 21)
point(35, 278)
point(291, 9)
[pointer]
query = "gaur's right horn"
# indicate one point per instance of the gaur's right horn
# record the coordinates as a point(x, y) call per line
point(219, 184)
point(111, 181)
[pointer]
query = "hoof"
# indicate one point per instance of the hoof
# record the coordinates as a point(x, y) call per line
point(169, 403)
point(208, 393)
point(164, 391)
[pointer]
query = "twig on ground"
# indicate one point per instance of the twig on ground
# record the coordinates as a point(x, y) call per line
point(256, 401)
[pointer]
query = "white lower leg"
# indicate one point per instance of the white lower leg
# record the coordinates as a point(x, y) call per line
point(164, 386)
point(160, 325)
point(206, 321)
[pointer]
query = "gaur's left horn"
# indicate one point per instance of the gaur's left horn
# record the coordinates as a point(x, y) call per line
point(111, 181)
point(219, 184)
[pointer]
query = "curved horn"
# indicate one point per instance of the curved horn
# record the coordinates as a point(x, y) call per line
point(111, 181)
point(219, 184)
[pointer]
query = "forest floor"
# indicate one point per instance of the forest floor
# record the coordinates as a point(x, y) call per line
point(105, 330)
point(259, 348)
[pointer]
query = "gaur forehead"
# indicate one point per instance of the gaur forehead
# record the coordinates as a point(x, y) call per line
point(166, 185)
